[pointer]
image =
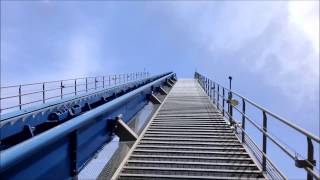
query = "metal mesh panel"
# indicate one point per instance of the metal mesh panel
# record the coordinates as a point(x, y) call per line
point(114, 162)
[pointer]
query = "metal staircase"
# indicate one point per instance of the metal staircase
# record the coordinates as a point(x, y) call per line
point(188, 138)
point(199, 129)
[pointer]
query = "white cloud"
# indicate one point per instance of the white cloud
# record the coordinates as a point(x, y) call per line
point(278, 41)
point(305, 16)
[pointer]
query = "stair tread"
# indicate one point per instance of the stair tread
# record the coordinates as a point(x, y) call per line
point(166, 176)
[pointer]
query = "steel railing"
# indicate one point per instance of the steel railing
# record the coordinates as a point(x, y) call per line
point(26, 94)
point(214, 90)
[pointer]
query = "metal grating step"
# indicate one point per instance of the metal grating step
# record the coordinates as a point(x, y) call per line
point(192, 171)
point(164, 177)
point(188, 139)
point(168, 139)
point(190, 147)
point(190, 136)
point(240, 160)
point(185, 164)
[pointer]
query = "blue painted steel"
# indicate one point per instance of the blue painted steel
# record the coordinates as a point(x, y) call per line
point(13, 123)
point(50, 155)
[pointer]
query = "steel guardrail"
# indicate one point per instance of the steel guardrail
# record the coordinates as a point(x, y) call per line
point(61, 88)
point(213, 89)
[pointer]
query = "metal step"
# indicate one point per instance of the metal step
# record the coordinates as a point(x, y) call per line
point(164, 177)
point(185, 164)
point(188, 139)
point(190, 130)
point(192, 171)
point(190, 136)
point(192, 126)
point(246, 160)
point(190, 153)
point(194, 133)
point(225, 149)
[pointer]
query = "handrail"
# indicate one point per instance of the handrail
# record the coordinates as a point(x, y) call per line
point(301, 130)
point(208, 85)
point(16, 100)
point(80, 96)
point(19, 152)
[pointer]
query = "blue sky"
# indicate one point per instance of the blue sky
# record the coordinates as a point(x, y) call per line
point(270, 48)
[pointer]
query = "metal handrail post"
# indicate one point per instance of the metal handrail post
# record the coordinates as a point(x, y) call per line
point(102, 81)
point(207, 84)
point(75, 87)
point(86, 84)
point(20, 100)
point(310, 157)
point(109, 81)
point(61, 91)
point(43, 93)
point(210, 89)
point(223, 101)
point(264, 142)
point(214, 92)
point(95, 83)
point(218, 98)
point(230, 105)
point(243, 119)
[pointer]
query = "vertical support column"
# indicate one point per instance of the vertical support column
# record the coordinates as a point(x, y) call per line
point(20, 98)
point(243, 119)
point(264, 142)
point(109, 81)
point(43, 93)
